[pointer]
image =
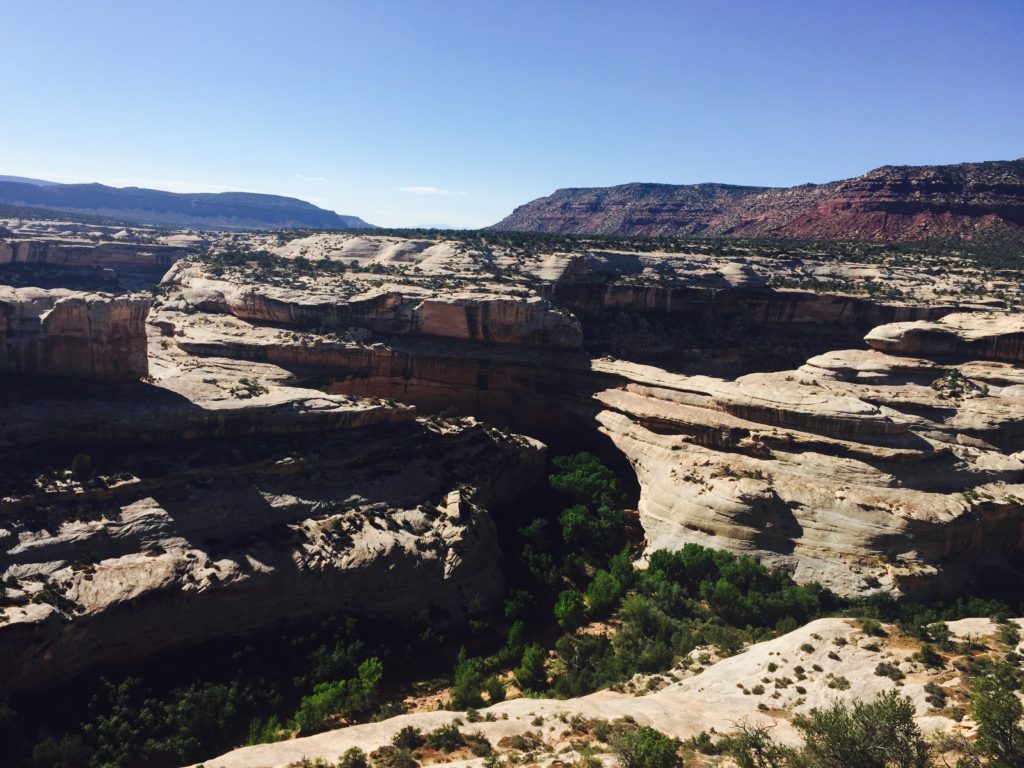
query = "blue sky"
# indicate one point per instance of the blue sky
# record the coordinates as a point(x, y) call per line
point(452, 113)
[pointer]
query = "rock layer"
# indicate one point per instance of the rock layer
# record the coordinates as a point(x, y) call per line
point(272, 464)
point(974, 336)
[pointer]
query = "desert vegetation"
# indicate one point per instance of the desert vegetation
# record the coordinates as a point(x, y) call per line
point(577, 617)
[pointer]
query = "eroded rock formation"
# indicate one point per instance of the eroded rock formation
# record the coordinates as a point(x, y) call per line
point(220, 499)
point(860, 470)
point(990, 337)
point(865, 471)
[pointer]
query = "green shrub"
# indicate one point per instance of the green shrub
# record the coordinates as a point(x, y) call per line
point(603, 594)
point(478, 744)
point(81, 467)
point(935, 695)
point(873, 627)
point(445, 738)
point(887, 669)
point(585, 480)
point(345, 698)
point(353, 758)
point(646, 748)
point(495, 689)
point(266, 731)
point(393, 757)
point(998, 712)
point(877, 734)
point(570, 610)
point(408, 737)
point(530, 674)
point(1009, 634)
point(930, 657)
point(469, 682)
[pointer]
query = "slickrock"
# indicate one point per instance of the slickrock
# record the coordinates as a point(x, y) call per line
point(265, 455)
point(63, 333)
point(486, 318)
point(863, 470)
point(826, 661)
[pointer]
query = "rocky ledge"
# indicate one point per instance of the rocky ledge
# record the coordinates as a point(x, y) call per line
point(815, 666)
point(262, 454)
point(987, 336)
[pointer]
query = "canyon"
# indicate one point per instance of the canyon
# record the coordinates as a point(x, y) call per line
point(294, 425)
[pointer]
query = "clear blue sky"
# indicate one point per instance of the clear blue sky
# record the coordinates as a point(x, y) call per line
point(451, 113)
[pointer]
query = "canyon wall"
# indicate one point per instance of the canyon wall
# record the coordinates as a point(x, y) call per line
point(61, 333)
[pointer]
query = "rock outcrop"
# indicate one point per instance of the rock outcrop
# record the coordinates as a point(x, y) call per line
point(272, 462)
point(62, 333)
point(865, 471)
point(488, 318)
point(995, 336)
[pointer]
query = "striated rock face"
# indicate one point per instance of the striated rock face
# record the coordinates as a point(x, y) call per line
point(61, 333)
point(235, 548)
point(24, 252)
point(892, 203)
point(71, 260)
point(865, 471)
point(860, 470)
point(900, 203)
point(993, 336)
point(492, 319)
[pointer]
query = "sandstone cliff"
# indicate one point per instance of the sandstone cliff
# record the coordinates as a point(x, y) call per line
point(862, 470)
point(987, 337)
point(61, 333)
point(273, 461)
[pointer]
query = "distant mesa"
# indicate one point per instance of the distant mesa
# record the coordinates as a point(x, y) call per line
point(25, 180)
point(969, 202)
point(220, 211)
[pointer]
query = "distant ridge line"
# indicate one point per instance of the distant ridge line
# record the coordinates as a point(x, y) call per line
point(968, 201)
point(195, 210)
